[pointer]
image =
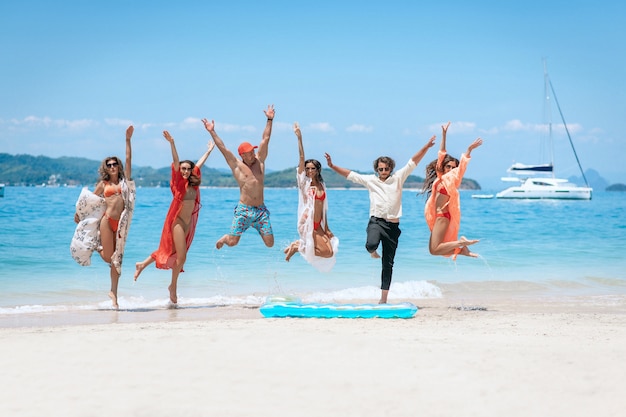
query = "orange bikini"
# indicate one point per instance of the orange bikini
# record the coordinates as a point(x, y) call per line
point(109, 190)
point(112, 189)
point(112, 222)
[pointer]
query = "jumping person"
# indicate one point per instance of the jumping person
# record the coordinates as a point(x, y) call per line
point(385, 192)
point(249, 171)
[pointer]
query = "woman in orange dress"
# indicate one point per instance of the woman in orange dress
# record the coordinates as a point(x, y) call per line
point(443, 207)
point(181, 219)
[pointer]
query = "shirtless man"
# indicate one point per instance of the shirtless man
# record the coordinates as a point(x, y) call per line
point(250, 175)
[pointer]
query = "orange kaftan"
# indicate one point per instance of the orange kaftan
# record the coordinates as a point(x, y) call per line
point(451, 181)
point(165, 255)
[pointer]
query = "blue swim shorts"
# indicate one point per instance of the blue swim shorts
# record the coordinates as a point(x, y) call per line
point(255, 216)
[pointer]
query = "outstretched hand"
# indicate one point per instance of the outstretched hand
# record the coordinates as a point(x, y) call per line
point(209, 126)
point(270, 112)
point(444, 129)
point(129, 132)
point(329, 160)
point(210, 146)
point(296, 130)
point(168, 137)
point(475, 144)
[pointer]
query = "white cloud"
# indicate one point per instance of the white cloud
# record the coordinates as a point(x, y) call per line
point(226, 127)
point(49, 123)
point(118, 122)
point(321, 127)
point(359, 128)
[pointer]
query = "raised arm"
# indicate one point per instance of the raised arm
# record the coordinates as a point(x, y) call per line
point(444, 131)
point(231, 159)
point(296, 130)
point(473, 146)
point(420, 154)
point(129, 153)
point(265, 141)
point(175, 159)
point(204, 157)
point(339, 170)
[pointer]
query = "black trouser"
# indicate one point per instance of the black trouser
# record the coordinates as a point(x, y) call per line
point(380, 230)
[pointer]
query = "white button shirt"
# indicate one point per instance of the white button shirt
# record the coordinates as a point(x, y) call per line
point(385, 196)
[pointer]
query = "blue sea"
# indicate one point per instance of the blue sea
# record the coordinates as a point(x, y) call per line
point(527, 248)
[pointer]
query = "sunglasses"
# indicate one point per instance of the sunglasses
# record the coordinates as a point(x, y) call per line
point(310, 169)
point(384, 169)
point(185, 169)
point(112, 164)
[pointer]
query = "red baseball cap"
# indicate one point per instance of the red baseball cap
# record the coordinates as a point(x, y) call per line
point(246, 147)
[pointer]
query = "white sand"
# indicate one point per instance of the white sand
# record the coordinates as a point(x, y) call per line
point(517, 358)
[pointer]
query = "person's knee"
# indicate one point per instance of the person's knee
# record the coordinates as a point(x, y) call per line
point(371, 246)
point(268, 240)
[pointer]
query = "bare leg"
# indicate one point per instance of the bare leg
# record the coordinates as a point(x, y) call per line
point(291, 250)
point(268, 240)
point(107, 242)
point(438, 247)
point(228, 240)
point(115, 278)
point(383, 296)
point(179, 235)
point(140, 266)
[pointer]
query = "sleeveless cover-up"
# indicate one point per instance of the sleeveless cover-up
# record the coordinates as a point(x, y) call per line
point(451, 182)
point(90, 209)
point(306, 206)
point(165, 255)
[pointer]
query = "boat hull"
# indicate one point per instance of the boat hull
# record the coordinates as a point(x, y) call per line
point(536, 189)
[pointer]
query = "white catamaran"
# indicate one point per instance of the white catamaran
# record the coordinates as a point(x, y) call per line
point(539, 181)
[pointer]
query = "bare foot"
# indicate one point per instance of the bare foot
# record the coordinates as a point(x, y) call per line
point(375, 255)
point(466, 242)
point(139, 266)
point(114, 300)
point(291, 250)
point(173, 297)
point(465, 251)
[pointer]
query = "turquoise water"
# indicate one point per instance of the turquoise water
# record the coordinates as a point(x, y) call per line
point(554, 247)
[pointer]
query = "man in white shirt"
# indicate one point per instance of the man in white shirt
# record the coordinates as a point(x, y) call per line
point(385, 191)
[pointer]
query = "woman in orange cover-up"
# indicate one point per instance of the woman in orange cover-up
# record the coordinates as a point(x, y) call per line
point(443, 207)
point(182, 217)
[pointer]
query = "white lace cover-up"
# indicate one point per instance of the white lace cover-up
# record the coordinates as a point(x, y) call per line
point(306, 205)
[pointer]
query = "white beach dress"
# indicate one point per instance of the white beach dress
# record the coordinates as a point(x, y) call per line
point(306, 205)
point(90, 209)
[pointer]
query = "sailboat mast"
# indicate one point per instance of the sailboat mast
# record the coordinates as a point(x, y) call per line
point(548, 82)
point(547, 113)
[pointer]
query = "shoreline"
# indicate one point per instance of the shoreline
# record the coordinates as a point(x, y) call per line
point(487, 302)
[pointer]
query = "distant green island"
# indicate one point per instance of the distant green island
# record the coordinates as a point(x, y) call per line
point(28, 170)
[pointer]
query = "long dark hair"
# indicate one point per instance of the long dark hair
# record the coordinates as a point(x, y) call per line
point(104, 172)
point(431, 173)
point(318, 168)
point(194, 180)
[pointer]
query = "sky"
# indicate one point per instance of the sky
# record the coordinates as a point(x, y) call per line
point(362, 78)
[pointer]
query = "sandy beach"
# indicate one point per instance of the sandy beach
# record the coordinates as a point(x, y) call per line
point(496, 357)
